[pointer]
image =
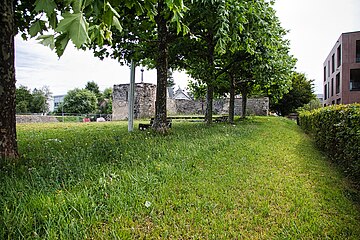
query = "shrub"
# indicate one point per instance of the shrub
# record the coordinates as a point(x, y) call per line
point(336, 130)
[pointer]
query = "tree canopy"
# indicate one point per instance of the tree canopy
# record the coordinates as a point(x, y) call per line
point(79, 101)
point(213, 40)
point(301, 93)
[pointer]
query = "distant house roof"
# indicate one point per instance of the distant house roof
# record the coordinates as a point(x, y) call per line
point(181, 94)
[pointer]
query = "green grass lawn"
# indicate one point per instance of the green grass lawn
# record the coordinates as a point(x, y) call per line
point(259, 179)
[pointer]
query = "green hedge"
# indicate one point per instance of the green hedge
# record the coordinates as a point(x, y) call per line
point(336, 130)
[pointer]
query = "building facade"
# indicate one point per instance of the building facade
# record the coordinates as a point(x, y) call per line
point(57, 100)
point(342, 71)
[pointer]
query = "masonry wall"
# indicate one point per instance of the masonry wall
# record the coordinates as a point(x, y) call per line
point(145, 94)
point(35, 119)
point(144, 106)
point(255, 106)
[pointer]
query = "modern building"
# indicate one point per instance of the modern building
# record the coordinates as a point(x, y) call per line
point(342, 71)
point(57, 100)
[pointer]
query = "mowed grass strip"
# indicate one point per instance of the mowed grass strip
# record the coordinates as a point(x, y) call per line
point(259, 179)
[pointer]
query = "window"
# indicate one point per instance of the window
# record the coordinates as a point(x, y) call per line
point(332, 87)
point(333, 63)
point(325, 92)
point(358, 51)
point(338, 56)
point(337, 90)
point(325, 74)
point(338, 101)
point(355, 79)
point(333, 102)
point(329, 68)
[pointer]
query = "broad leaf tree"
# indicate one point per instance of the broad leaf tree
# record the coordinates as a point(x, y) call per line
point(23, 99)
point(39, 102)
point(301, 93)
point(79, 101)
point(262, 61)
point(216, 28)
point(81, 22)
point(147, 33)
point(8, 144)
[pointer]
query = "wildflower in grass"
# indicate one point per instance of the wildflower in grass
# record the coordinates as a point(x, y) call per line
point(147, 204)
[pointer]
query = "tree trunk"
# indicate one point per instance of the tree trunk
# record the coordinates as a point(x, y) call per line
point(210, 83)
point(244, 101)
point(160, 124)
point(8, 144)
point(209, 103)
point(232, 99)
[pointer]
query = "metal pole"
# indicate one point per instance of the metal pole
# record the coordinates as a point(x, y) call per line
point(131, 98)
point(142, 75)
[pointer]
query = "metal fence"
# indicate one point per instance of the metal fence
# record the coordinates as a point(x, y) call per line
point(72, 117)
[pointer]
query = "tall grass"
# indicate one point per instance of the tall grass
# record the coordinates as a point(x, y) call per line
point(258, 179)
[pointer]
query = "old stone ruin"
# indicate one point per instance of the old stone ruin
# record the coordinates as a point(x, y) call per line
point(178, 103)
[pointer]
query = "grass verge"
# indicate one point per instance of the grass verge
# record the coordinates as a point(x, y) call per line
point(259, 179)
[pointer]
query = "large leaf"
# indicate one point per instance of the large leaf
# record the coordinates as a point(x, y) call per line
point(109, 7)
point(47, 40)
point(53, 20)
point(36, 27)
point(76, 26)
point(61, 43)
point(117, 24)
point(47, 6)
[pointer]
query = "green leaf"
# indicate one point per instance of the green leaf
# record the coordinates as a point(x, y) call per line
point(76, 27)
point(108, 18)
point(112, 10)
point(179, 3)
point(77, 6)
point(170, 4)
point(53, 20)
point(37, 27)
point(61, 43)
point(117, 24)
point(47, 40)
point(47, 6)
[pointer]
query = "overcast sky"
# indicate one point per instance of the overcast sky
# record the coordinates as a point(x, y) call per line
point(314, 25)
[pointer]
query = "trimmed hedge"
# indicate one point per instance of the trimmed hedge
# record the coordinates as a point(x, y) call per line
point(336, 130)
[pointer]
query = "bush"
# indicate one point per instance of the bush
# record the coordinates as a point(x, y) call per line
point(336, 130)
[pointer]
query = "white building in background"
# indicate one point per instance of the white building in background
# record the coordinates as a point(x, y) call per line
point(181, 94)
point(57, 100)
point(320, 97)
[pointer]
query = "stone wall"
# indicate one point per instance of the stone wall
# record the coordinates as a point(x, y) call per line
point(144, 106)
point(185, 107)
point(145, 94)
point(35, 119)
point(255, 106)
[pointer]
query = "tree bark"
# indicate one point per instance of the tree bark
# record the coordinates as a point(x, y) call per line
point(209, 103)
point(8, 144)
point(160, 123)
point(211, 81)
point(244, 101)
point(232, 99)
